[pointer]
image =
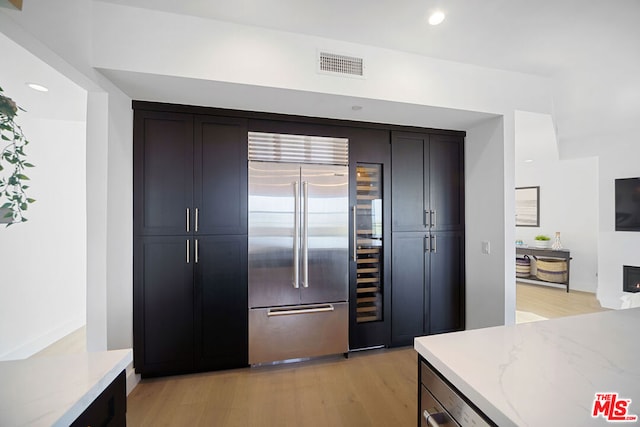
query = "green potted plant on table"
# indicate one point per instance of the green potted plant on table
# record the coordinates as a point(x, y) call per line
point(13, 197)
point(542, 241)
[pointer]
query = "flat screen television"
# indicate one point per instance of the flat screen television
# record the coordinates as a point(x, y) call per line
point(628, 204)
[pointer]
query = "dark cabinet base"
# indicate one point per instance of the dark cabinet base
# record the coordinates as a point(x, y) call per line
point(109, 408)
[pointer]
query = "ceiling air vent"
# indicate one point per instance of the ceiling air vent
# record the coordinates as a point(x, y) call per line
point(334, 63)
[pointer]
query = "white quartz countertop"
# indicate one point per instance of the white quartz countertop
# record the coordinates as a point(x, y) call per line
point(54, 391)
point(544, 373)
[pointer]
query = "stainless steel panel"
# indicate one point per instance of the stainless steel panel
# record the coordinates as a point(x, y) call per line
point(326, 208)
point(285, 148)
point(297, 332)
point(455, 405)
point(272, 225)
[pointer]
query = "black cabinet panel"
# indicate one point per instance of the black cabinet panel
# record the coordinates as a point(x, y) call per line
point(163, 176)
point(445, 300)
point(163, 304)
point(109, 409)
point(409, 287)
point(446, 198)
point(221, 175)
point(221, 303)
point(408, 185)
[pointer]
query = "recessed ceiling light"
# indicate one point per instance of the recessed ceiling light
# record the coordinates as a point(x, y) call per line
point(39, 88)
point(528, 161)
point(436, 18)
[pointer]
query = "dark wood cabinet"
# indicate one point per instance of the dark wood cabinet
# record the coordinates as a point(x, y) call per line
point(163, 305)
point(427, 235)
point(428, 182)
point(221, 302)
point(220, 174)
point(163, 172)
point(370, 201)
point(190, 238)
point(190, 174)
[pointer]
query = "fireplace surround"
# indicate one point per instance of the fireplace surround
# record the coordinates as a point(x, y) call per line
point(630, 278)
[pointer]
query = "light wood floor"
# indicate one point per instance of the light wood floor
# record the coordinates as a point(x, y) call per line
point(374, 388)
point(553, 302)
point(371, 388)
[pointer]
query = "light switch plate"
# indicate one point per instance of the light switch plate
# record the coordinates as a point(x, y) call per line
point(486, 247)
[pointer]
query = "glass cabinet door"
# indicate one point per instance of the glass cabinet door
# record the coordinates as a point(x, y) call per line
point(369, 242)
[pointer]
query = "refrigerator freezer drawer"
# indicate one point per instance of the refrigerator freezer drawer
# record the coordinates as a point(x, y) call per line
point(282, 333)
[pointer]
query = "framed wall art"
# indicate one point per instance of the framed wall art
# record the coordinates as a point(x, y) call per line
point(528, 207)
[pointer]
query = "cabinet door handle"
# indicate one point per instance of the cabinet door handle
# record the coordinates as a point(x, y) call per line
point(188, 218)
point(427, 243)
point(188, 251)
point(435, 243)
point(196, 255)
point(426, 218)
point(435, 218)
point(196, 230)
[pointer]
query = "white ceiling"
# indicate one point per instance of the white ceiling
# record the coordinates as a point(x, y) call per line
point(543, 37)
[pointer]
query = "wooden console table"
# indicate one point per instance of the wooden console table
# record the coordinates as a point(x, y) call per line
point(547, 253)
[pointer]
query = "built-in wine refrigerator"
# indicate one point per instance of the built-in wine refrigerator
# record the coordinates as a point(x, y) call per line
point(370, 319)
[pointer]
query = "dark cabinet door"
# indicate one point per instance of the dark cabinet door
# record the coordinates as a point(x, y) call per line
point(221, 302)
point(409, 183)
point(163, 305)
point(220, 168)
point(446, 283)
point(446, 176)
point(409, 287)
point(163, 173)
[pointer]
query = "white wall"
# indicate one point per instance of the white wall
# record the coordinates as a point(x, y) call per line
point(489, 285)
point(43, 261)
point(569, 196)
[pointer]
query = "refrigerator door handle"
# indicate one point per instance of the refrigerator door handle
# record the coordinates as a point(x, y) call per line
point(296, 235)
point(305, 235)
point(284, 311)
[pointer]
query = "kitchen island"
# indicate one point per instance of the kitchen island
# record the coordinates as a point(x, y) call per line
point(62, 390)
point(542, 373)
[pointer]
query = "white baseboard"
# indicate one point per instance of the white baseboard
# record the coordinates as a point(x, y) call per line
point(34, 345)
point(132, 378)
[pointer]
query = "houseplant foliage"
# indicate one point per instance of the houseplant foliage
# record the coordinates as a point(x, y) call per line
point(13, 197)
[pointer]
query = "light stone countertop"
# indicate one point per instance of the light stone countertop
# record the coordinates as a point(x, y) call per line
point(55, 390)
point(543, 373)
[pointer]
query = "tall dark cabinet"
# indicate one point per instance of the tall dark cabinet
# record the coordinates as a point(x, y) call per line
point(427, 186)
point(190, 238)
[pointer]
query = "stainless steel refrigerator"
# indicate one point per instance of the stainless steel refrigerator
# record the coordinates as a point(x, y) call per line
point(298, 246)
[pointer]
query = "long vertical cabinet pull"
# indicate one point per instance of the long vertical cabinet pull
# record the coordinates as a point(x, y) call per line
point(435, 242)
point(355, 235)
point(188, 219)
point(196, 255)
point(196, 229)
point(188, 251)
point(296, 235)
point(305, 236)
